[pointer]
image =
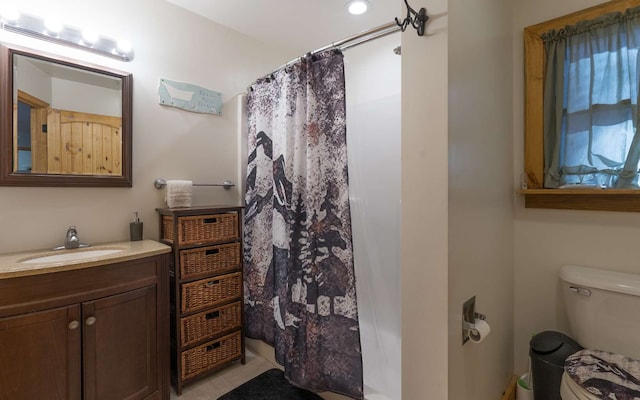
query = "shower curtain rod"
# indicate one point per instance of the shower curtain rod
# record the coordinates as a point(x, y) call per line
point(366, 36)
point(344, 44)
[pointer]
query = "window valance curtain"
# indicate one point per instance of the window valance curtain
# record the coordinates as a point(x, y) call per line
point(591, 103)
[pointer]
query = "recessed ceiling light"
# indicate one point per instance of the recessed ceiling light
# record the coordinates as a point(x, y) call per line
point(357, 7)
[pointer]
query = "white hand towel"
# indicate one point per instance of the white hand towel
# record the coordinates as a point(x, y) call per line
point(178, 193)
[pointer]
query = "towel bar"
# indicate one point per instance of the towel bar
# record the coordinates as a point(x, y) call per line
point(160, 183)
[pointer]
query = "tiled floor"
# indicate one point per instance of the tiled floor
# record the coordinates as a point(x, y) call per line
point(219, 383)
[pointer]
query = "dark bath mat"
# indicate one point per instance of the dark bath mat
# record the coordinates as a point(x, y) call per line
point(270, 385)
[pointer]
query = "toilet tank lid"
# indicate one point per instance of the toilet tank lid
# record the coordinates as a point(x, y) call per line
point(613, 281)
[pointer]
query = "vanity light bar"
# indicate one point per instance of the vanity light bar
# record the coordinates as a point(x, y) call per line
point(56, 32)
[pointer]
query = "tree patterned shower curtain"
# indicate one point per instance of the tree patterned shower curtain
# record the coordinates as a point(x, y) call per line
point(299, 277)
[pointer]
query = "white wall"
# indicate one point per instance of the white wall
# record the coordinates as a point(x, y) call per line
point(33, 81)
point(171, 43)
point(547, 239)
point(77, 96)
point(424, 231)
point(480, 194)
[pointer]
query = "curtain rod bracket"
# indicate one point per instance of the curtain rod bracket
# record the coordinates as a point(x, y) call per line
point(417, 19)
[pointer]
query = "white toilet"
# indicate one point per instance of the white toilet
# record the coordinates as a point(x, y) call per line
point(604, 316)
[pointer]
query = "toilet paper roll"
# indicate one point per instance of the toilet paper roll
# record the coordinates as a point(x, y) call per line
point(480, 332)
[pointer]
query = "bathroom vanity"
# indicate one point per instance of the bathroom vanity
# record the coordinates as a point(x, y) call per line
point(85, 328)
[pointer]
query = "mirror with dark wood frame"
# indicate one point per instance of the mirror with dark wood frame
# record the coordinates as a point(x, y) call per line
point(63, 122)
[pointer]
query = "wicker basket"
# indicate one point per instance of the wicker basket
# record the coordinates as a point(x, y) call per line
point(209, 260)
point(210, 323)
point(200, 229)
point(167, 228)
point(210, 355)
point(210, 292)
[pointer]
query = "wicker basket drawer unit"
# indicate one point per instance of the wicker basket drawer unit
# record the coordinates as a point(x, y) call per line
point(210, 292)
point(210, 323)
point(210, 355)
point(204, 261)
point(206, 289)
point(201, 229)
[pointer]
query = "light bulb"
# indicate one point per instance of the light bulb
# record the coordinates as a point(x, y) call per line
point(53, 25)
point(89, 36)
point(357, 7)
point(124, 46)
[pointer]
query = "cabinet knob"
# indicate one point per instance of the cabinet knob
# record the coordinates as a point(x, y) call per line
point(74, 325)
point(90, 321)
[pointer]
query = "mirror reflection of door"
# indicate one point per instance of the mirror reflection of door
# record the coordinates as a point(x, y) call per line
point(24, 137)
point(54, 141)
point(77, 130)
point(31, 152)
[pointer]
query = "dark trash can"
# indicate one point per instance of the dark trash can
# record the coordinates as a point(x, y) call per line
point(548, 351)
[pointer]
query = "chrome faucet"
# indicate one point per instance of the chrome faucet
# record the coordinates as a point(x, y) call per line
point(71, 240)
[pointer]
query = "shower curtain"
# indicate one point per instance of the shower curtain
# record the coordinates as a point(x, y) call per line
point(299, 277)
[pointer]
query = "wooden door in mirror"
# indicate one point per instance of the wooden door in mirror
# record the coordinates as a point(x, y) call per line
point(63, 122)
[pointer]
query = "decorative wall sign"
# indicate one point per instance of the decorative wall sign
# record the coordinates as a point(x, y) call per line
point(189, 97)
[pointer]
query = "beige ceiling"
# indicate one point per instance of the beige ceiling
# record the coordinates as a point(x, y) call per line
point(296, 25)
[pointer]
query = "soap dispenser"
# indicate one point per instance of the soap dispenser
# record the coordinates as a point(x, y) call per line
point(135, 228)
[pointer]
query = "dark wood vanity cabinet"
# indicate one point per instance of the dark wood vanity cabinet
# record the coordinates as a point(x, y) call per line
point(205, 289)
point(98, 333)
point(40, 355)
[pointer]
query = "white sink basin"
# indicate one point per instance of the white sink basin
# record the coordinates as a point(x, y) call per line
point(73, 255)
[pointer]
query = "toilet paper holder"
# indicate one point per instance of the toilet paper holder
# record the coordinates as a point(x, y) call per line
point(469, 317)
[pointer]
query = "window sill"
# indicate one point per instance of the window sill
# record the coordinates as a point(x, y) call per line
point(583, 199)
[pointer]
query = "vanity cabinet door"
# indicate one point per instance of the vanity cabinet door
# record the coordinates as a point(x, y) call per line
point(40, 355)
point(120, 346)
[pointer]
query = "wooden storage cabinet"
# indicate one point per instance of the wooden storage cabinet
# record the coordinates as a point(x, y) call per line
point(91, 334)
point(206, 289)
point(40, 358)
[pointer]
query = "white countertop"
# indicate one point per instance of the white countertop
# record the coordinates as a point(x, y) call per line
point(12, 264)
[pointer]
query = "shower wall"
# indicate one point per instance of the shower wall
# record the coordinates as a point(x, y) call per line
point(373, 136)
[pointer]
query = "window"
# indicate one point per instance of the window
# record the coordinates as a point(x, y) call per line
point(581, 83)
